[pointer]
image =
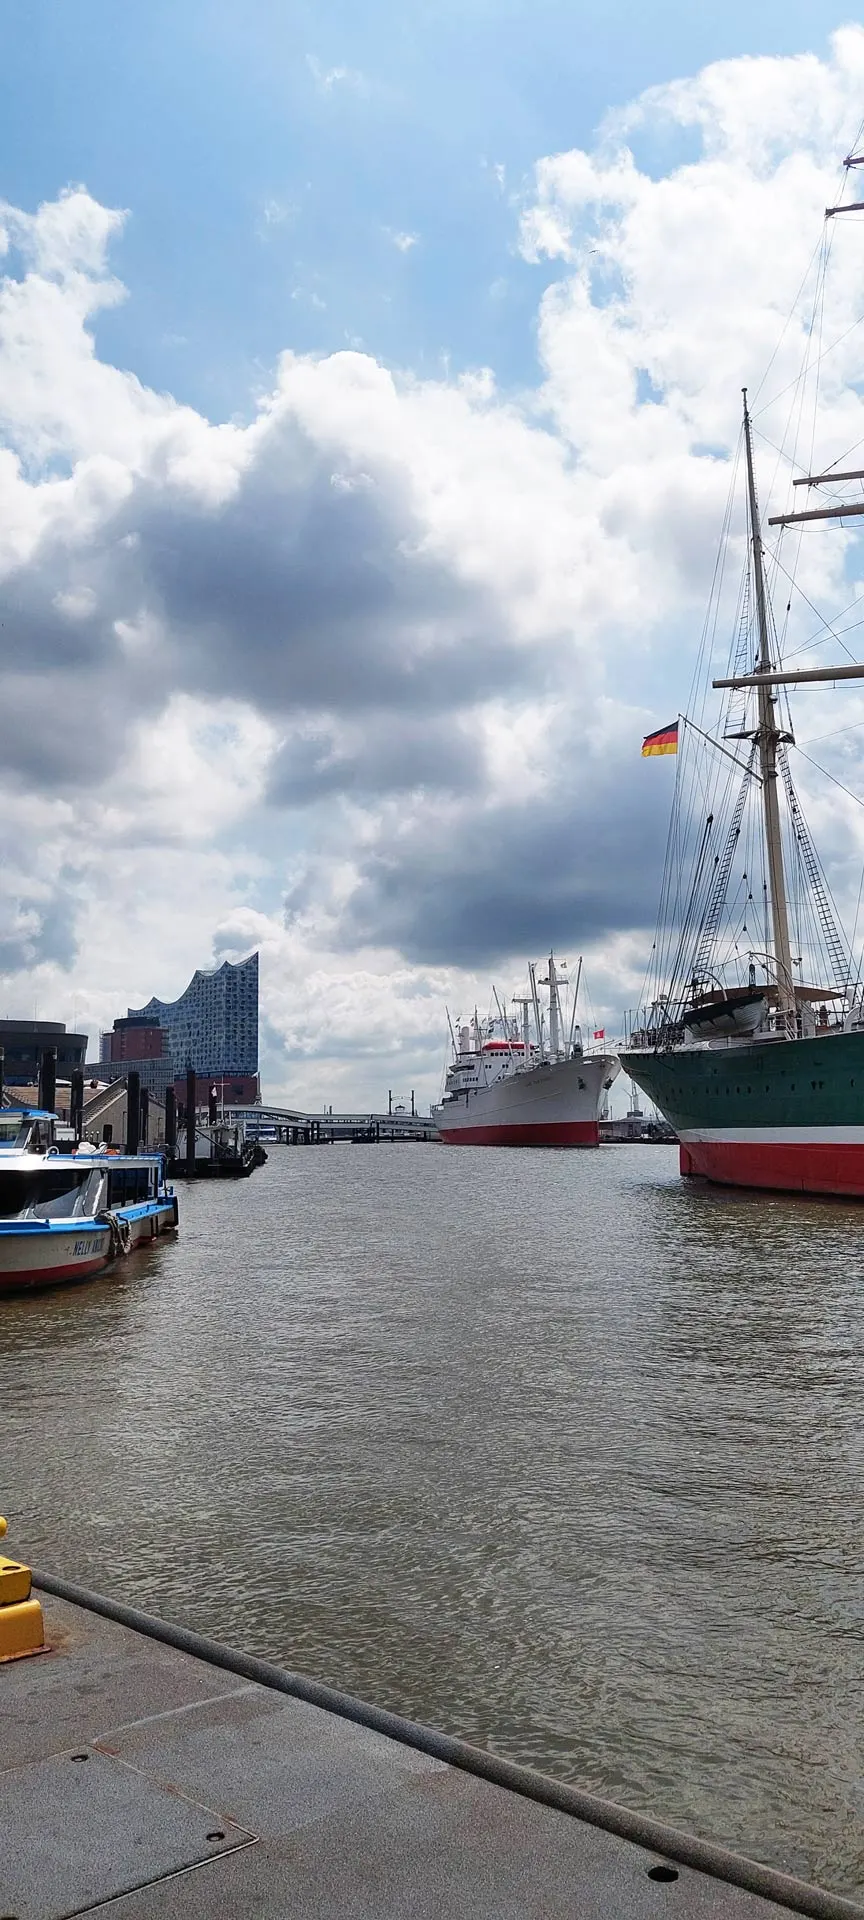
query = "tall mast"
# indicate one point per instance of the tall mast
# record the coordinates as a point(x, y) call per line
point(521, 1000)
point(575, 1006)
point(554, 1021)
point(535, 998)
point(767, 738)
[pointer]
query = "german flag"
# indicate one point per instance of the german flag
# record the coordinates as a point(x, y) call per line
point(665, 740)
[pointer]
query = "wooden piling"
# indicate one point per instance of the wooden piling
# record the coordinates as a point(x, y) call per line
point(48, 1079)
point(133, 1110)
point(191, 1115)
point(76, 1102)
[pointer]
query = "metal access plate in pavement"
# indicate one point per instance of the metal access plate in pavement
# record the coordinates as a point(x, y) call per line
point(76, 1832)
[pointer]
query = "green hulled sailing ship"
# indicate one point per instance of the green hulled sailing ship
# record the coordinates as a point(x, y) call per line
point(751, 1040)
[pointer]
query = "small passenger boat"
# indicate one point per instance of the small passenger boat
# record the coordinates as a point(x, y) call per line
point(68, 1211)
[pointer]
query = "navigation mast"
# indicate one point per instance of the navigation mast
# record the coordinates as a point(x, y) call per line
point(522, 1000)
point(764, 679)
point(768, 737)
point(551, 981)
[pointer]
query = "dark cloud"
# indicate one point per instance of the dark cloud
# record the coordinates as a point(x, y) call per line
point(70, 687)
point(515, 878)
point(383, 756)
point(59, 731)
point(307, 593)
point(33, 930)
point(310, 591)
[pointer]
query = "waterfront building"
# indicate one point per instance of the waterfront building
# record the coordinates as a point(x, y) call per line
point(135, 1041)
point(156, 1075)
point(213, 1026)
point(23, 1043)
point(135, 1036)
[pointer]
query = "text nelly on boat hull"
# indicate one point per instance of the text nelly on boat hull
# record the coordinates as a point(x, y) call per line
point(47, 1253)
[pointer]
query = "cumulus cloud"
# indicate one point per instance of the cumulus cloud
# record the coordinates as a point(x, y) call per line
point(362, 680)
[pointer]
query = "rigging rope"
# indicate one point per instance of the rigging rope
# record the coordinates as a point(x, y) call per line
point(707, 932)
point(839, 959)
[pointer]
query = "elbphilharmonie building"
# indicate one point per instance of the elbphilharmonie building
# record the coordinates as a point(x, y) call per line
point(214, 1024)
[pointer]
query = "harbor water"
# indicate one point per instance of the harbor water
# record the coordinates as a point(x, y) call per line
point(552, 1450)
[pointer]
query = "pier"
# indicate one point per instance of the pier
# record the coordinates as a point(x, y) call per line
point(291, 1128)
point(146, 1771)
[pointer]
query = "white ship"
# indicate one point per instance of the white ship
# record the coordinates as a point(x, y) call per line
point(512, 1088)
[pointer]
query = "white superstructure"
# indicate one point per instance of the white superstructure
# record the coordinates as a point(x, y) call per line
point(513, 1085)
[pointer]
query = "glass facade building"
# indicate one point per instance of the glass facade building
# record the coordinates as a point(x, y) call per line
point(214, 1024)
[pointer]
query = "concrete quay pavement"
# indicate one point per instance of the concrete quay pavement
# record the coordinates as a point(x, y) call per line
point(145, 1772)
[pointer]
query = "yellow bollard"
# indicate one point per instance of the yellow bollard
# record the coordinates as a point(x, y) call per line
point(21, 1628)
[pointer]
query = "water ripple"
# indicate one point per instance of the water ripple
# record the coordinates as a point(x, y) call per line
point(552, 1450)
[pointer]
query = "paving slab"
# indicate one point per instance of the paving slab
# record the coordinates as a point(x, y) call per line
point(97, 1675)
point(81, 1828)
point(209, 1794)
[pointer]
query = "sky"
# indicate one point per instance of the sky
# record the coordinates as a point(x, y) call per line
point(369, 389)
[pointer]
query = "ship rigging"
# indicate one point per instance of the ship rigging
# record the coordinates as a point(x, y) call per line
point(751, 1040)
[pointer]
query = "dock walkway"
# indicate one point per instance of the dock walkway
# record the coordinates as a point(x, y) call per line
point(140, 1779)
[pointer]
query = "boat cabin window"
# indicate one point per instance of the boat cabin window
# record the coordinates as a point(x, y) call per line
point(128, 1184)
point(20, 1191)
point(10, 1127)
point(41, 1134)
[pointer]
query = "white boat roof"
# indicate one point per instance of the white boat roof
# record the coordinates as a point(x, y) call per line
point(51, 1162)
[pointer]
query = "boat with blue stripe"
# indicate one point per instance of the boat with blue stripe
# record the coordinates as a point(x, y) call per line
point(68, 1210)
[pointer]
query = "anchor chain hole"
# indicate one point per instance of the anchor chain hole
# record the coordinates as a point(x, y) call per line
point(216, 1834)
point(661, 1872)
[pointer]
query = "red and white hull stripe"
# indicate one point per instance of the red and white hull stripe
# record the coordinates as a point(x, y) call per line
point(57, 1254)
point(789, 1159)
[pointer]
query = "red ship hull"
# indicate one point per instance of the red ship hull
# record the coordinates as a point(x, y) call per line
point(554, 1133)
point(812, 1166)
